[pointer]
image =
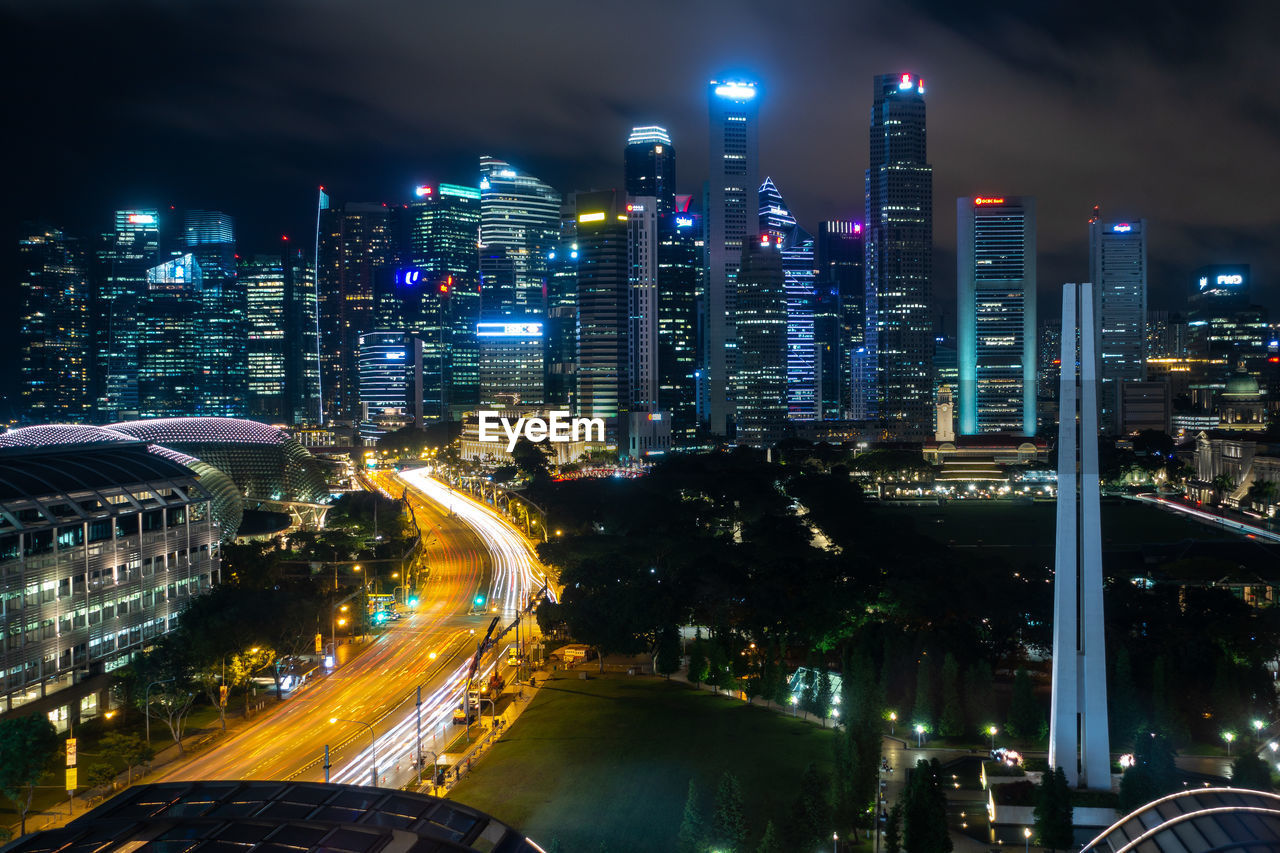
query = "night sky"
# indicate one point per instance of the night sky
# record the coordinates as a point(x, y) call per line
point(1165, 110)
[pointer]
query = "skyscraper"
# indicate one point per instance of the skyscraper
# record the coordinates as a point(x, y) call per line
point(123, 259)
point(899, 269)
point(283, 369)
point(210, 238)
point(1118, 270)
point(679, 282)
point(650, 162)
point(642, 303)
point(760, 382)
point(355, 241)
point(561, 329)
point(54, 327)
point(602, 376)
point(840, 259)
point(798, 269)
point(171, 346)
point(996, 314)
point(731, 217)
point(519, 225)
point(512, 369)
point(444, 233)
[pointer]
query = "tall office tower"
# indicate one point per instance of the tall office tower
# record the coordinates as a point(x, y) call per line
point(54, 328)
point(123, 259)
point(730, 219)
point(1118, 270)
point(996, 314)
point(512, 366)
point(642, 304)
point(354, 242)
point(224, 362)
point(519, 225)
point(798, 268)
point(651, 166)
point(840, 260)
point(561, 329)
point(602, 377)
point(283, 369)
point(679, 280)
point(170, 345)
point(899, 268)
point(826, 335)
point(384, 378)
point(444, 230)
point(1049, 335)
point(760, 382)
point(1166, 335)
point(1222, 321)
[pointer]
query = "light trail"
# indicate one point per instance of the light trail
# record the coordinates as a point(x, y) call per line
point(1231, 524)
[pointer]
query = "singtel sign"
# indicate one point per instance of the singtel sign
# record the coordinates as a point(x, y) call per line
point(559, 428)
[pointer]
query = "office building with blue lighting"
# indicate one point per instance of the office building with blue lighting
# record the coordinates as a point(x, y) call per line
point(123, 258)
point(54, 327)
point(650, 164)
point(1118, 271)
point(996, 314)
point(519, 226)
point(799, 272)
point(209, 236)
point(512, 366)
point(760, 382)
point(839, 260)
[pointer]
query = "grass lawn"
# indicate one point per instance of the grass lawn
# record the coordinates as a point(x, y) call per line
point(610, 759)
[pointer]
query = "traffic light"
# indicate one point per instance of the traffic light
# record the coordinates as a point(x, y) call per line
point(413, 601)
point(479, 601)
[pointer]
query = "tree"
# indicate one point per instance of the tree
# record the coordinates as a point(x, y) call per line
point(769, 841)
point(130, 749)
point(893, 829)
point(699, 666)
point(822, 695)
point(167, 668)
point(1053, 811)
point(668, 651)
point(532, 459)
point(1123, 699)
point(721, 672)
point(952, 722)
point(728, 828)
point(693, 827)
point(924, 708)
point(1250, 771)
point(101, 775)
point(1025, 717)
point(924, 810)
point(811, 810)
point(1152, 774)
point(979, 694)
point(28, 746)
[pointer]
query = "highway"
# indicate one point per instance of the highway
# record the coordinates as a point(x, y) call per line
point(472, 549)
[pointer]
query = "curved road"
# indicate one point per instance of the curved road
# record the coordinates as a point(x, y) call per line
point(472, 549)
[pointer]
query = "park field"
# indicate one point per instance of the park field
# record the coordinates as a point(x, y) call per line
point(608, 761)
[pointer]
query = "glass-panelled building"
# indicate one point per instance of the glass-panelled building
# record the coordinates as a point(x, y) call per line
point(123, 258)
point(679, 283)
point(101, 547)
point(54, 327)
point(996, 314)
point(602, 377)
point(760, 383)
point(512, 353)
point(171, 340)
point(798, 268)
point(1118, 270)
point(519, 226)
point(210, 237)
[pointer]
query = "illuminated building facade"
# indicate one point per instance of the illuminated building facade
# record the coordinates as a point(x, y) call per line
point(561, 330)
point(603, 227)
point(642, 303)
point(355, 241)
point(1118, 270)
point(210, 238)
point(512, 368)
point(650, 162)
point(996, 314)
point(680, 273)
point(444, 231)
point(731, 217)
point(1222, 323)
point(799, 272)
point(53, 327)
point(760, 382)
point(386, 400)
point(283, 368)
point(899, 264)
point(171, 349)
point(519, 225)
point(125, 255)
point(840, 258)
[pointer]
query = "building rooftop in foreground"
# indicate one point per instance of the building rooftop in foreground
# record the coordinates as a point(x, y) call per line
point(1197, 821)
point(280, 817)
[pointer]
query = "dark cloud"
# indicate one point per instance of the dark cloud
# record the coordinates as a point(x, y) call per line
point(1168, 111)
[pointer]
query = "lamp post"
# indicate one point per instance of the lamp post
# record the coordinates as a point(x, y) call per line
point(893, 721)
point(1258, 726)
point(1026, 834)
point(146, 704)
point(373, 739)
point(920, 730)
point(1228, 737)
point(993, 731)
point(835, 842)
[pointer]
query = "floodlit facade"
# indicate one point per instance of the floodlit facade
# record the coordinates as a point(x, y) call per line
point(899, 261)
point(731, 218)
point(101, 547)
point(996, 314)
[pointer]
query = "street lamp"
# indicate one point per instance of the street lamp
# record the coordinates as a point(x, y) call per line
point(1228, 737)
point(920, 730)
point(373, 738)
point(835, 843)
point(1026, 834)
point(993, 731)
point(893, 721)
point(1258, 726)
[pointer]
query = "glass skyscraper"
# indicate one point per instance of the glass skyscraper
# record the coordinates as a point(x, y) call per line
point(731, 217)
point(899, 266)
point(1118, 270)
point(224, 364)
point(283, 370)
point(54, 327)
point(650, 162)
point(798, 269)
point(602, 377)
point(679, 282)
point(519, 226)
point(123, 259)
point(839, 260)
point(760, 382)
point(171, 347)
point(996, 314)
